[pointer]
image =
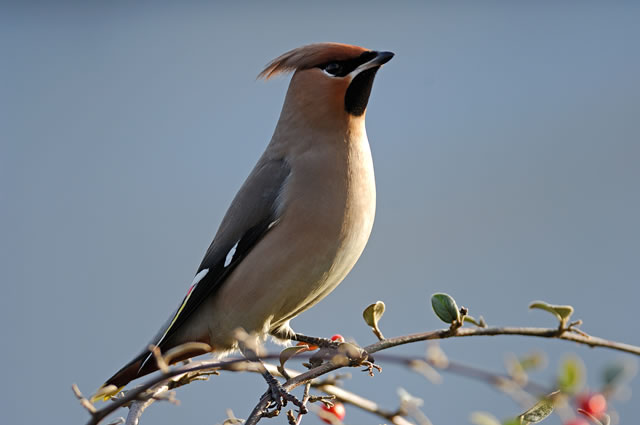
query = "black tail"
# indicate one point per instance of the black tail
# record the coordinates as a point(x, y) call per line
point(126, 374)
point(137, 368)
point(132, 370)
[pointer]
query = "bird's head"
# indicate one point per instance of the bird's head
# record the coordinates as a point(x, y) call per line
point(331, 81)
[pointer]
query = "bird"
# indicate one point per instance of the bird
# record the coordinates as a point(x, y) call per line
point(297, 225)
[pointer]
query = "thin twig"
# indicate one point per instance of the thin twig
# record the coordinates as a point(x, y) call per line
point(84, 402)
point(138, 407)
point(138, 392)
point(305, 399)
point(567, 335)
point(347, 396)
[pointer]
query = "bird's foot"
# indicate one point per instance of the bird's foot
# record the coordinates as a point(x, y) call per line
point(347, 354)
point(338, 351)
point(317, 341)
point(280, 396)
point(369, 367)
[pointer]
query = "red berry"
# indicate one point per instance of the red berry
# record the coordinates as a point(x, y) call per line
point(337, 337)
point(337, 410)
point(577, 421)
point(593, 403)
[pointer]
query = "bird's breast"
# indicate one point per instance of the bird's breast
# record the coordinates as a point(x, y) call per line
point(332, 198)
point(326, 211)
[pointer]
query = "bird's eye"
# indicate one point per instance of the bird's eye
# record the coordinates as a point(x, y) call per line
point(333, 68)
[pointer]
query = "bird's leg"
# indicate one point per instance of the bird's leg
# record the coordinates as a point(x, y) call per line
point(276, 392)
point(329, 348)
point(315, 340)
point(279, 395)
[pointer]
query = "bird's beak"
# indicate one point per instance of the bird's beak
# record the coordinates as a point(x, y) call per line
point(380, 59)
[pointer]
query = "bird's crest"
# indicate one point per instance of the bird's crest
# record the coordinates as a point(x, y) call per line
point(309, 56)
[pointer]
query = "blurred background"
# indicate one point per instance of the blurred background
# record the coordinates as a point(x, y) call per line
point(506, 141)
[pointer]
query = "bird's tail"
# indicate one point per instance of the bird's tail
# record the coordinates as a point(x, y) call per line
point(126, 374)
point(144, 364)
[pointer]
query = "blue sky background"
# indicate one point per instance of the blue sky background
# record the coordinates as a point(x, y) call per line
point(506, 141)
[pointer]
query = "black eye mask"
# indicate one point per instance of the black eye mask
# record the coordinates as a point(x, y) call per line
point(343, 68)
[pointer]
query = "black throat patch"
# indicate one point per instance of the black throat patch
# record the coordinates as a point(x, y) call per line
point(358, 92)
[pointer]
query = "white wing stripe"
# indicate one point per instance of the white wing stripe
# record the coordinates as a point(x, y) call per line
point(199, 276)
point(230, 255)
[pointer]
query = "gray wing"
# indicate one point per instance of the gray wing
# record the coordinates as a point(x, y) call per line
point(251, 214)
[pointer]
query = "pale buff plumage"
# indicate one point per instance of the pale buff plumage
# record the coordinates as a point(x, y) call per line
point(328, 204)
point(311, 195)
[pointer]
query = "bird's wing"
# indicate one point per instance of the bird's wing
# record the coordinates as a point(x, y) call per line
point(254, 211)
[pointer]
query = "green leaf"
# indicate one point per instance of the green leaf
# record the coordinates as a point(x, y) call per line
point(562, 312)
point(534, 360)
point(540, 410)
point(445, 308)
point(620, 371)
point(515, 369)
point(479, 323)
point(612, 374)
point(571, 375)
point(373, 313)
point(289, 352)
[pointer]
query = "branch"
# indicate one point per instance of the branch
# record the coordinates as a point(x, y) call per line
point(138, 407)
point(363, 403)
point(565, 334)
point(140, 393)
point(350, 397)
point(502, 382)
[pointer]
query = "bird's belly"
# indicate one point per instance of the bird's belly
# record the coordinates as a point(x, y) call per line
point(316, 242)
point(326, 268)
point(300, 266)
point(337, 226)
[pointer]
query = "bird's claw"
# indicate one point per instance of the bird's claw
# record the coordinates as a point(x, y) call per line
point(365, 359)
point(346, 354)
point(280, 397)
point(369, 367)
point(339, 352)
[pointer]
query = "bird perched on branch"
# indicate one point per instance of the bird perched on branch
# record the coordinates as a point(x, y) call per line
point(299, 222)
